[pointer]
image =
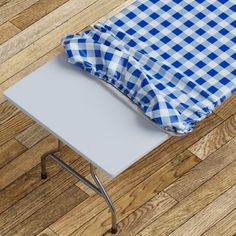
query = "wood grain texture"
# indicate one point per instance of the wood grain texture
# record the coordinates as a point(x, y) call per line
point(128, 202)
point(226, 227)
point(40, 196)
point(3, 2)
point(13, 126)
point(25, 162)
point(10, 151)
point(35, 12)
point(32, 135)
point(193, 203)
point(7, 111)
point(54, 210)
point(210, 215)
point(203, 171)
point(12, 8)
point(27, 70)
point(115, 11)
point(215, 139)
point(42, 27)
point(52, 39)
point(7, 31)
point(176, 145)
point(228, 108)
point(144, 215)
point(31, 180)
point(47, 232)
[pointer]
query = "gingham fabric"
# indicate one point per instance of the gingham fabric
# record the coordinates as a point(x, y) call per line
point(174, 59)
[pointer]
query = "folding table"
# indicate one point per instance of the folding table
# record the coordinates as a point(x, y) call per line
point(174, 59)
point(88, 117)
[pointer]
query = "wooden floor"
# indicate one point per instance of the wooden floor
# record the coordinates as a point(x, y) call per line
point(185, 187)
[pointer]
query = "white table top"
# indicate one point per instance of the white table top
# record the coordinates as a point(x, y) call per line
point(84, 114)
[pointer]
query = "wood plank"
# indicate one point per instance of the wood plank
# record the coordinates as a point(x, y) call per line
point(35, 12)
point(13, 126)
point(144, 215)
point(32, 135)
point(126, 204)
point(114, 11)
point(42, 27)
point(10, 151)
point(203, 171)
point(105, 179)
point(31, 180)
point(193, 203)
point(12, 8)
point(7, 111)
point(52, 39)
point(27, 70)
point(49, 213)
point(210, 215)
point(25, 162)
point(40, 196)
point(47, 232)
point(228, 108)
point(215, 139)
point(3, 2)
point(9, 30)
point(226, 227)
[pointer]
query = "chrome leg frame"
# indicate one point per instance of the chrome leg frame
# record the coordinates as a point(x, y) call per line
point(97, 187)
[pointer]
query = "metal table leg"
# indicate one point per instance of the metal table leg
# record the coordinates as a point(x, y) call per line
point(106, 197)
point(98, 188)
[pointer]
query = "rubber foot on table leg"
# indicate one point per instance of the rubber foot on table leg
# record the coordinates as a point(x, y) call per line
point(113, 231)
point(44, 176)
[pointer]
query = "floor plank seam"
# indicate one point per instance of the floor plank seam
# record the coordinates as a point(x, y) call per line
point(29, 64)
point(207, 180)
point(53, 199)
point(52, 231)
point(12, 159)
point(204, 208)
point(23, 48)
point(193, 193)
point(11, 20)
point(34, 143)
point(221, 122)
point(20, 30)
point(43, 182)
point(219, 220)
point(216, 148)
point(164, 190)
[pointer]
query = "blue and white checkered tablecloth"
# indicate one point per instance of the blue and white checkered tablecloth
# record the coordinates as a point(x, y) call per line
point(175, 59)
